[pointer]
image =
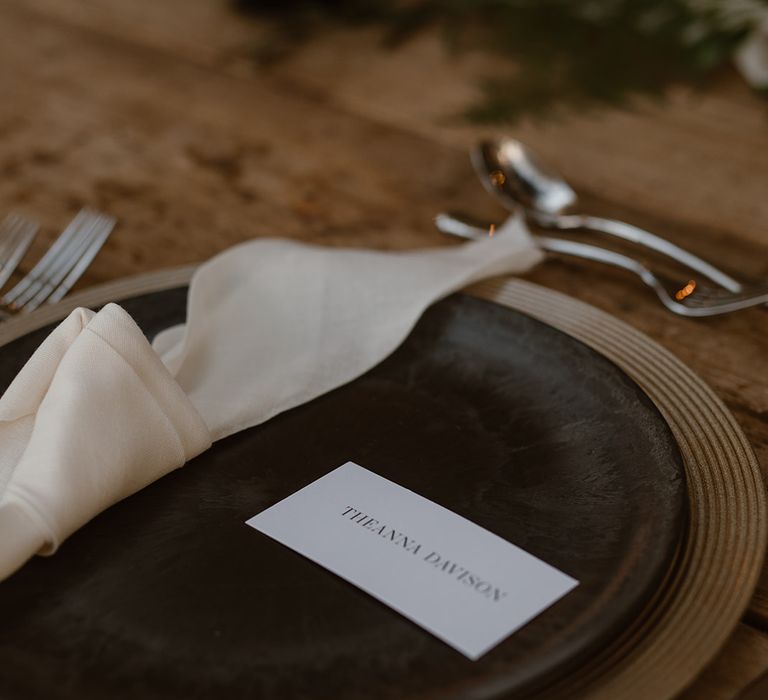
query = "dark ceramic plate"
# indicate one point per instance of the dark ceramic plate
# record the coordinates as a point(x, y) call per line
point(491, 414)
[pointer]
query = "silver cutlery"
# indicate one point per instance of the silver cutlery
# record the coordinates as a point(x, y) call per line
point(63, 264)
point(16, 234)
point(686, 299)
point(513, 173)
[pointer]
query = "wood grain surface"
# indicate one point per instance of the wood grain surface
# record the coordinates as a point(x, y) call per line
point(156, 113)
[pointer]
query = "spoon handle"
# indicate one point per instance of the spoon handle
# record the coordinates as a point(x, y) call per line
point(627, 232)
point(456, 225)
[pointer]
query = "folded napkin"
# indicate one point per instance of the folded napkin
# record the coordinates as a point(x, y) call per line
point(97, 413)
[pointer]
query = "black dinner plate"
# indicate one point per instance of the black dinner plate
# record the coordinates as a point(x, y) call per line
point(484, 410)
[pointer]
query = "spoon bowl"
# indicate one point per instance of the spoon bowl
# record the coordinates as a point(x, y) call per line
point(513, 172)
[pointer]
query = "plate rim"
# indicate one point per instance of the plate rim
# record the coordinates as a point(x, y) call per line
point(727, 531)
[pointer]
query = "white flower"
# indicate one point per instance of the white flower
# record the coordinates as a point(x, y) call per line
point(751, 57)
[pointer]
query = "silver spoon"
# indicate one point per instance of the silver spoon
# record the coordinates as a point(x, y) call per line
point(512, 172)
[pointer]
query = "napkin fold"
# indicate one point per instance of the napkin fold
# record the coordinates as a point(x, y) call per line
point(97, 413)
point(93, 417)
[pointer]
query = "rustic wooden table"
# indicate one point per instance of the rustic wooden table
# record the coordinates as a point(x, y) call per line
point(156, 113)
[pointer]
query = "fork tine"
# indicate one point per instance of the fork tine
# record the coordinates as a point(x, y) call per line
point(703, 296)
point(20, 234)
point(714, 300)
point(738, 302)
point(70, 267)
point(8, 230)
point(70, 240)
point(60, 244)
point(707, 301)
point(58, 269)
point(84, 261)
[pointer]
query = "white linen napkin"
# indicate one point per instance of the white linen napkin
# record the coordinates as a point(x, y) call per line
point(96, 415)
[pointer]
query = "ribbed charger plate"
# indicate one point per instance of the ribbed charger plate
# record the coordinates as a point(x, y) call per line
point(698, 608)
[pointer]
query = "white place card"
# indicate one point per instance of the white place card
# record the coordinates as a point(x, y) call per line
point(460, 582)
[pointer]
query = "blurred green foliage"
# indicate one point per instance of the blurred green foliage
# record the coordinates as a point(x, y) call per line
point(569, 53)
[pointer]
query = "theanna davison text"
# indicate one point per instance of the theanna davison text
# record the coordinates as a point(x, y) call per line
point(408, 544)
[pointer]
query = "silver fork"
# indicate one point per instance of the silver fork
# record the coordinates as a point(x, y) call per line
point(63, 264)
point(697, 295)
point(16, 234)
point(686, 298)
